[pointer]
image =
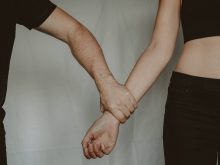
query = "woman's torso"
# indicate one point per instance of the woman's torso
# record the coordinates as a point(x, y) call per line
point(201, 56)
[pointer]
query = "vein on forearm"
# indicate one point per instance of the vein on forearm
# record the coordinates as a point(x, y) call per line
point(88, 53)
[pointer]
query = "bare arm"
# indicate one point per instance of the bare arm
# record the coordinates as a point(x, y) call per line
point(114, 96)
point(159, 52)
point(82, 43)
point(145, 72)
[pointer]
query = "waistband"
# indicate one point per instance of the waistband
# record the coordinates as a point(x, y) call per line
point(196, 82)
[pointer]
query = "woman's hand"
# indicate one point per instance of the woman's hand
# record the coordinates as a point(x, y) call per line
point(101, 137)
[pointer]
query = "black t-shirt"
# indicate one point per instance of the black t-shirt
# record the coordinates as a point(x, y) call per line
point(29, 13)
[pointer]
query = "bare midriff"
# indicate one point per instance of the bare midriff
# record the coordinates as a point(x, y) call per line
point(201, 57)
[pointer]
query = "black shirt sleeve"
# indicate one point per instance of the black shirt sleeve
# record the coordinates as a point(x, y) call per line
point(32, 13)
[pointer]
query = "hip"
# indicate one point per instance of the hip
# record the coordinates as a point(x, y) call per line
point(194, 95)
point(201, 57)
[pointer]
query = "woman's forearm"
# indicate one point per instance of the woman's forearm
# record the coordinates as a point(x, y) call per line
point(146, 71)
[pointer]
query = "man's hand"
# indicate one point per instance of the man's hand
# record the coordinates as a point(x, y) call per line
point(101, 137)
point(116, 99)
point(87, 51)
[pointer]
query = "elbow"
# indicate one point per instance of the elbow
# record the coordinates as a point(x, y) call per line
point(73, 32)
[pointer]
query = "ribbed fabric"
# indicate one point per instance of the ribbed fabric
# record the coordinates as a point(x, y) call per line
point(200, 19)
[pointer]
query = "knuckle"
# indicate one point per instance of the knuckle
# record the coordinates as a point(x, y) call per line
point(123, 121)
point(124, 118)
point(111, 144)
point(127, 114)
point(135, 105)
point(100, 155)
point(92, 155)
point(90, 150)
point(131, 111)
point(121, 118)
point(111, 106)
point(108, 150)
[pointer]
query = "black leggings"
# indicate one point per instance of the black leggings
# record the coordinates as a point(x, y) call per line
point(191, 130)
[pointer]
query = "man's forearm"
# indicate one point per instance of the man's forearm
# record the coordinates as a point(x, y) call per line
point(89, 54)
point(113, 96)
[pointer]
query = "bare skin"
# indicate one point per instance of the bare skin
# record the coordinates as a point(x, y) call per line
point(114, 97)
point(200, 57)
point(99, 142)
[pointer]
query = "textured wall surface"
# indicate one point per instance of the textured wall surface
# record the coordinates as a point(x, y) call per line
point(51, 100)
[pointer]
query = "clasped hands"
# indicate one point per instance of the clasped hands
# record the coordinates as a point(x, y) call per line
point(117, 104)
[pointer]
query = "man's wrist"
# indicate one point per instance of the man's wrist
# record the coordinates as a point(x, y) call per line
point(104, 78)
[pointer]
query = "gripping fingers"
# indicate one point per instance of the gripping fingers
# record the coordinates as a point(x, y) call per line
point(119, 115)
point(133, 101)
point(125, 112)
point(129, 108)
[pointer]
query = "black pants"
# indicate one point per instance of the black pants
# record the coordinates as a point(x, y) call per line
point(3, 155)
point(191, 130)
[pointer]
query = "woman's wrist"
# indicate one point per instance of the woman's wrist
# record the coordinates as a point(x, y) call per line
point(111, 117)
point(132, 91)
